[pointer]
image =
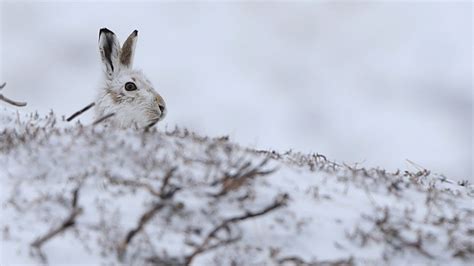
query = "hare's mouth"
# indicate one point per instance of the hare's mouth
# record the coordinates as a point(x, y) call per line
point(154, 120)
point(156, 116)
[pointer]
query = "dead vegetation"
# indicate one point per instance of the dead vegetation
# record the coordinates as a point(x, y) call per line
point(225, 227)
point(75, 210)
point(177, 198)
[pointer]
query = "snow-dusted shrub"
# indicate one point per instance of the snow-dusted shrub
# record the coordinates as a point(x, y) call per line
point(92, 194)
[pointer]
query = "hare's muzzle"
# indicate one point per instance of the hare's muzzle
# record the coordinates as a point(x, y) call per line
point(161, 105)
point(158, 111)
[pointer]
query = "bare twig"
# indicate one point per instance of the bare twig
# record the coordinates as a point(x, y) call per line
point(103, 118)
point(80, 112)
point(10, 101)
point(164, 194)
point(300, 262)
point(393, 237)
point(205, 245)
point(132, 183)
point(245, 173)
point(67, 223)
point(417, 166)
point(144, 219)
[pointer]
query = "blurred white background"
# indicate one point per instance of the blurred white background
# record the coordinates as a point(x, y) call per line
point(375, 83)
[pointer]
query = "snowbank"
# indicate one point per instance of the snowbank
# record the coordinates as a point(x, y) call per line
point(97, 195)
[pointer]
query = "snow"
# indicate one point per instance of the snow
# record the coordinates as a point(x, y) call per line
point(327, 211)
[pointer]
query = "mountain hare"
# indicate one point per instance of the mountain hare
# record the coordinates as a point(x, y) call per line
point(126, 92)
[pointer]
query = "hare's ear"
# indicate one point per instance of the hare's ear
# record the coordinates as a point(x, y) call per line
point(128, 50)
point(109, 47)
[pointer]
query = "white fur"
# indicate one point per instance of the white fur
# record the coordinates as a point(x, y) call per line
point(138, 108)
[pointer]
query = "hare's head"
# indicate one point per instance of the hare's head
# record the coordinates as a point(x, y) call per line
point(126, 92)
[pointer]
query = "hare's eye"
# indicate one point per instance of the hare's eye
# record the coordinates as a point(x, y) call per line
point(130, 86)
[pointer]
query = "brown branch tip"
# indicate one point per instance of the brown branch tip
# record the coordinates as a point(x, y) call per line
point(8, 100)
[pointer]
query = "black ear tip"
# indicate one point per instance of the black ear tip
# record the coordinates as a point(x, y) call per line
point(135, 32)
point(105, 31)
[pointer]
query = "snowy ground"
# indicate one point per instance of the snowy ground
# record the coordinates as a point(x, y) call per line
point(95, 195)
point(374, 82)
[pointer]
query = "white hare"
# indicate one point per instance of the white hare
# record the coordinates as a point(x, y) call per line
point(126, 92)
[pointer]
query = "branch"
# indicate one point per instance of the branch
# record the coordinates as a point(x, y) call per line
point(132, 183)
point(144, 219)
point(103, 118)
point(205, 246)
point(68, 222)
point(10, 101)
point(300, 262)
point(392, 235)
point(164, 194)
point(80, 112)
point(242, 175)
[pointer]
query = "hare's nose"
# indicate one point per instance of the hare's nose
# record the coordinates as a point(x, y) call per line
point(159, 100)
point(161, 103)
point(162, 108)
